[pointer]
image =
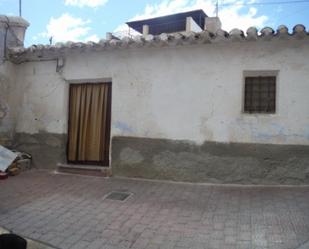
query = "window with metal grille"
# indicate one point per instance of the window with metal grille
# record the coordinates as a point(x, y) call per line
point(260, 94)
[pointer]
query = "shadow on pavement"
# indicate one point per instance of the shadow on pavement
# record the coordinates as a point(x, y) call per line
point(31, 244)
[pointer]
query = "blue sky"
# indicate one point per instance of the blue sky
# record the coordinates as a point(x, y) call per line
point(82, 20)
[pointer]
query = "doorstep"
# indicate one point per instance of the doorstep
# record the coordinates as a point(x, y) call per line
point(89, 170)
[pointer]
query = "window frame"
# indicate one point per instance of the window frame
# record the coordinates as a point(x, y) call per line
point(260, 73)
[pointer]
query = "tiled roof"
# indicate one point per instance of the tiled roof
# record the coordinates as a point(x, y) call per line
point(36, 52)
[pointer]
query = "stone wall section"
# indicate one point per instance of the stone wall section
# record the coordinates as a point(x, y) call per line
point(210, 162)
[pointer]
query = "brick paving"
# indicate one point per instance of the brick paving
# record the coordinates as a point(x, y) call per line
point(70, 211)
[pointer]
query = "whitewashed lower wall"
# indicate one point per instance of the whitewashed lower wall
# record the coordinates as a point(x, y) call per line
point(190, 92)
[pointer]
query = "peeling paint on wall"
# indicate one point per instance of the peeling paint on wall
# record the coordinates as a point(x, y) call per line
point(7, 103)
point(123, 127)
point(191, 93)
point(210, 162)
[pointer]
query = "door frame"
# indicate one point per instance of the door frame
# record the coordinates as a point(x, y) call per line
point(106, 162)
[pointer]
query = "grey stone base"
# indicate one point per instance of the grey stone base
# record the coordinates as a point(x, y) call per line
point(47, 149)
point(211, 162)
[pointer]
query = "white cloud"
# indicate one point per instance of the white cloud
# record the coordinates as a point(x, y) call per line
point(68, 28)
point(232, 16)
point(34, 38)
point(93, 38)
point(167, 7)
point(87, 3)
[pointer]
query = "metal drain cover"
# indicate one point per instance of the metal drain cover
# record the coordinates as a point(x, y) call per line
point(118, 196)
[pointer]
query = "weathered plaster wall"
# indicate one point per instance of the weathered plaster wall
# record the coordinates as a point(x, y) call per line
point(9, 102)
point(42, 116)
point(191, 93)
point(44, 99)
point(210, 162)
point(47, 149)
point(12, 31)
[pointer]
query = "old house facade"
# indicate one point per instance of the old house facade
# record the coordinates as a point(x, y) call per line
point(206, 106)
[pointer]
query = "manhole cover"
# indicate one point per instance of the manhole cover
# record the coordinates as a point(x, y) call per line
point(118, 196)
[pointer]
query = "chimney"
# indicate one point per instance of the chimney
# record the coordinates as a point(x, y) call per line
point(12, 33)
point(212, 24)
point(145, 30)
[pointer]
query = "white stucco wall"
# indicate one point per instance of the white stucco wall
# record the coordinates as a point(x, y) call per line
point(9, 101)
point(44, 98)
point(189, 92)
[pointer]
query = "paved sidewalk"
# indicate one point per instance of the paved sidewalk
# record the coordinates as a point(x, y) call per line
point(70, 211)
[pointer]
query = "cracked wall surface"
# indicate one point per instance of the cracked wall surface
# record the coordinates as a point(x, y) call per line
point(190, 93)
point(9, 103)
point(210, 162)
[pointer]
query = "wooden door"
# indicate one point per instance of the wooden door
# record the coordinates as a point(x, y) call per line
point(89, 123)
